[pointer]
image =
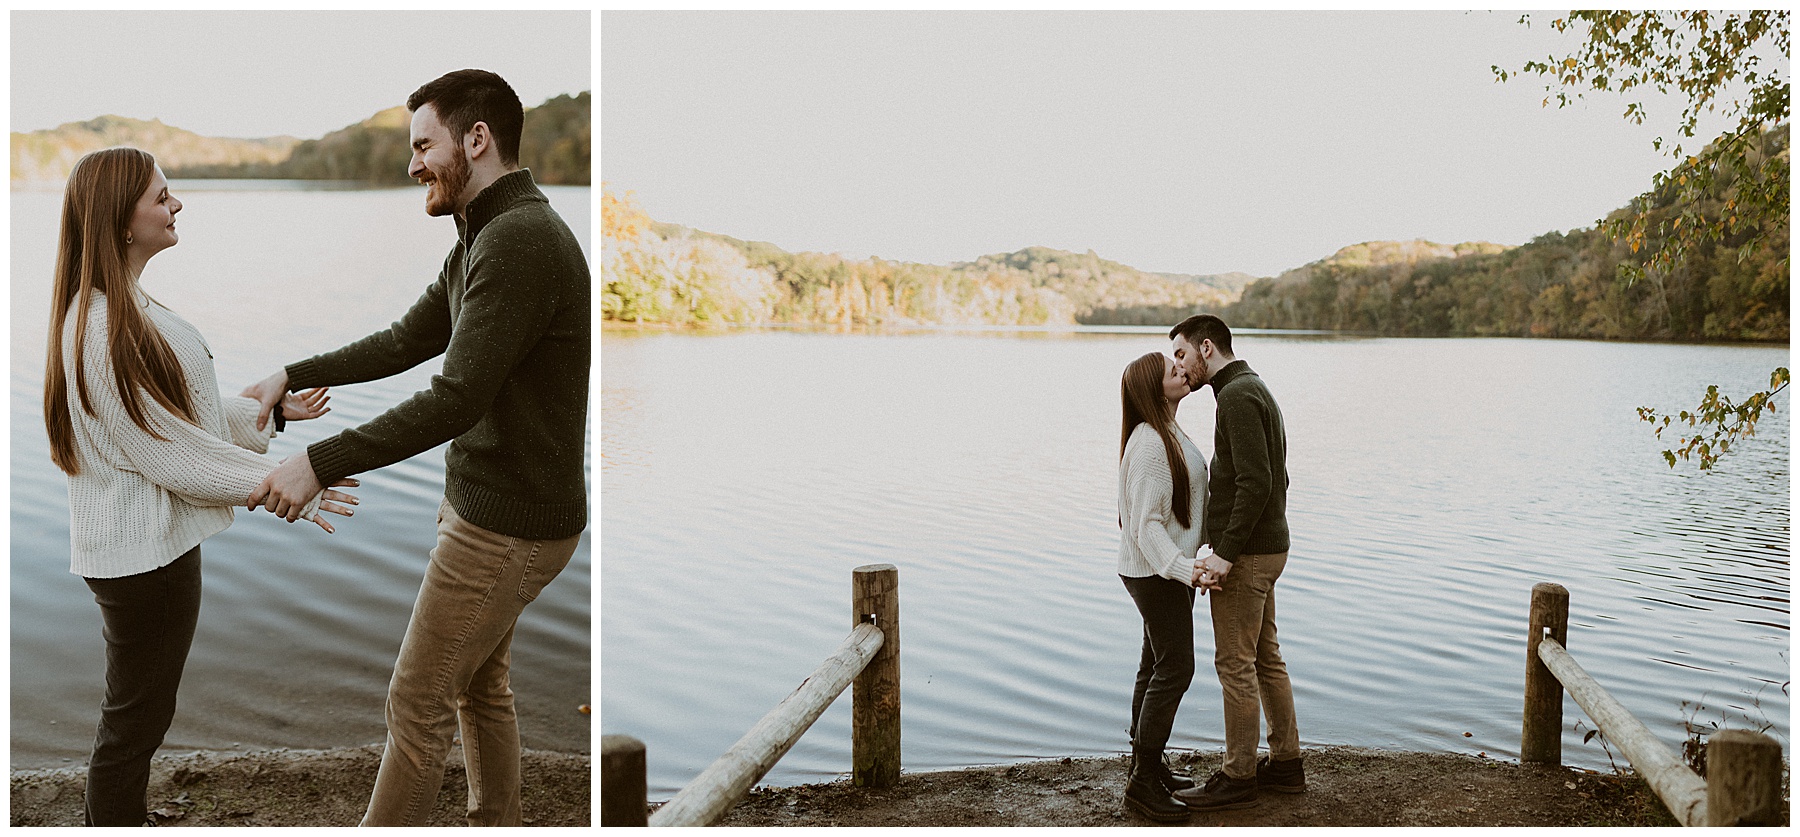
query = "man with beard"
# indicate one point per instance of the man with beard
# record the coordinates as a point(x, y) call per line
point(1246, 522)
point(510, 314)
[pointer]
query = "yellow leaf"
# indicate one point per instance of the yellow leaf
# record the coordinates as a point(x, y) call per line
point(1678, 223)
point(1569, 63)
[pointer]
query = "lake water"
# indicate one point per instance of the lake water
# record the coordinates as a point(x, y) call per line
point(298, 629)
point(745, 474)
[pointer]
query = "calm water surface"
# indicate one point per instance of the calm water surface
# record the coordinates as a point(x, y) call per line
point(298, 629)
point(746, 474)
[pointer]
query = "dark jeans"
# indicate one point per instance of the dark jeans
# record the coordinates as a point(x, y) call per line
point(1167, 665)
point(149, 624)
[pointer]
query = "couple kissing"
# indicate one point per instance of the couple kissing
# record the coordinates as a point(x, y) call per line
point(1171, 503)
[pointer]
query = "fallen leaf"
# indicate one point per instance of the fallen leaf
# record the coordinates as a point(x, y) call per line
point(1569, 785)
point(169, 812)
point(1468, 735)
point(583, 709)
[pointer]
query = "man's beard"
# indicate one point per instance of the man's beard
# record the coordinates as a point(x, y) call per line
point(441, 192)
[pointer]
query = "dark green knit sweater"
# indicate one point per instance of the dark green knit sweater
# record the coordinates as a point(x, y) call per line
point(510, 314)
point(1246, 506)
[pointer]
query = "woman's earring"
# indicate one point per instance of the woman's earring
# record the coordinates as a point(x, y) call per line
point(128, 238)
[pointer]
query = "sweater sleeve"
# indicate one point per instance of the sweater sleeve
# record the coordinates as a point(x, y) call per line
point(240, 419)
point(419, 335)
point(186, 460)
point(507, 306)
point(1246, 429)
point(1152, 494)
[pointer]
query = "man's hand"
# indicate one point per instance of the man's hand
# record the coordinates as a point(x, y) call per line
point(1210, 572)
point(288, 488)
point(269, 391)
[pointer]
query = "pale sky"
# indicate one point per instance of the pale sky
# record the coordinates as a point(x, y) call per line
point(1188, 142)
point(258, 74)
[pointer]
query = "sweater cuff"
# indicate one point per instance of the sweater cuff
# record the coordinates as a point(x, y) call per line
point(302, 375)
point(330, 462)
point(1189, 567)
point(311, 510)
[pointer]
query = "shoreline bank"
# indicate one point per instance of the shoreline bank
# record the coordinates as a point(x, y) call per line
point(298, 787)
point(1346, 786)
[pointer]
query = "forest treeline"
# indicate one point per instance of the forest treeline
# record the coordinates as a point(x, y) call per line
point(1573, 284)
point(48, 156)
point(663, 273)
point(554, 144)
point(1558, 285)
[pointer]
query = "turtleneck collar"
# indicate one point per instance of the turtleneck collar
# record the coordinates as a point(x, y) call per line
point(1227, 373)
point(499, 196)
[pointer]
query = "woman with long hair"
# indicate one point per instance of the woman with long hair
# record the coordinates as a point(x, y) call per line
point(155, 457)
point(1162, 512)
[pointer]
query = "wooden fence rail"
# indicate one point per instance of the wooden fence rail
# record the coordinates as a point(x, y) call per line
point(1743, 782)
point(869, 657)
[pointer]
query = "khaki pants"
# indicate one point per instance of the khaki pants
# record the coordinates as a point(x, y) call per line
point(454, 668)
point(1252, 676)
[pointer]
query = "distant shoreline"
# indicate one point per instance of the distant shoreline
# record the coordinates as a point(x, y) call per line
point(1084, 328)
point(261, 184)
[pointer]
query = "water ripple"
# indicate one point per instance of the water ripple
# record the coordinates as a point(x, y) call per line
point(1418, 533)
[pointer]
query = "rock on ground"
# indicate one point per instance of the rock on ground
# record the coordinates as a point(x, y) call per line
point(297, 787)
point(1346, 786)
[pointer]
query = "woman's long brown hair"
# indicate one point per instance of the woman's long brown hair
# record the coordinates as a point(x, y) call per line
point(98, 204)
point(1141, 393)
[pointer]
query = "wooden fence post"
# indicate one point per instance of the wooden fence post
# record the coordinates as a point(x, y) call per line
point(1743, 779)
point(624, 790)
point(875, 697)
point(1541, 741)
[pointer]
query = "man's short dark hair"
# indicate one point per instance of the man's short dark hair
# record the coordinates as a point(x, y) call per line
point(465, 97)
point(1205, 327)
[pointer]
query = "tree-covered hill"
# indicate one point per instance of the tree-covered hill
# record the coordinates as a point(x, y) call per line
point(664, 273)
point(48, 156)
point(1582, 283)
point(1574, 284)
point(555, 145)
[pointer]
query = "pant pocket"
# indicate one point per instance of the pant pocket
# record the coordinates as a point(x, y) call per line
point(544, 561)
point(533, 580)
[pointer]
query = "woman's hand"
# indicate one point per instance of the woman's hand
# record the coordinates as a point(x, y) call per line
point(307, 404)
point(1210, 572)
point(327, 504)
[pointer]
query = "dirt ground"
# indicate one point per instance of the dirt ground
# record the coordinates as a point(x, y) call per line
point(1345, 787)
point(297, 787)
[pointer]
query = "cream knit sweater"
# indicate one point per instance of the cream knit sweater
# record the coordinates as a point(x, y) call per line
point(1152, 541)
point(138, 502)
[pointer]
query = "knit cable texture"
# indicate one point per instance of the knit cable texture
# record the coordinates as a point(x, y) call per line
point(1153, 542)
point(140, 502)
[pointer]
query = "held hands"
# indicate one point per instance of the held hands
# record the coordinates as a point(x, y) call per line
point(269, 392)
point(291, 485)
point(1210, 572)
point(325, 505)
point(300, 406)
